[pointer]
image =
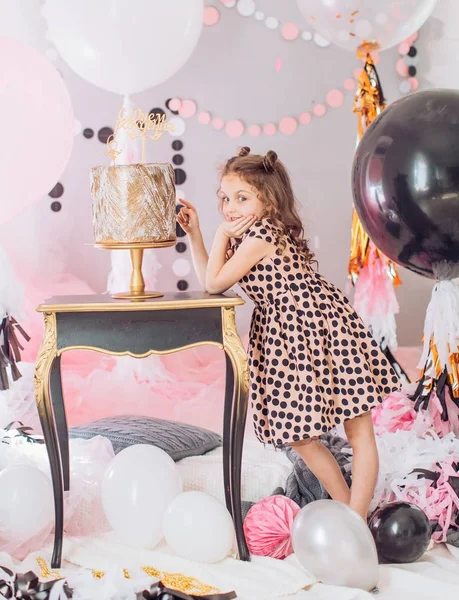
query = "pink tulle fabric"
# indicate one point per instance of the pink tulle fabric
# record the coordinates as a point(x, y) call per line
point(268, 526)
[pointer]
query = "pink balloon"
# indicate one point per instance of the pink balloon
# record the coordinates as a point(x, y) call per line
point(37, 127)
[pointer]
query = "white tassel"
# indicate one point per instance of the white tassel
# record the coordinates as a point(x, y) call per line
point(403, 451)
point(442, 323)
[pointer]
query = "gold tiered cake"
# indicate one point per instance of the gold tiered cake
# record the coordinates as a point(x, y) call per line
point(133, 204)
point(134, 209)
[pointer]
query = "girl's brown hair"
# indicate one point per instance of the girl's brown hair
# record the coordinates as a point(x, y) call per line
point(270, 178)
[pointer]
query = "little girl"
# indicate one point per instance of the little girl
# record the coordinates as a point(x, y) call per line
point(313, 364)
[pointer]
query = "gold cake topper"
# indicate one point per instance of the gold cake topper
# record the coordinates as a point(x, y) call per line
point(138, 124)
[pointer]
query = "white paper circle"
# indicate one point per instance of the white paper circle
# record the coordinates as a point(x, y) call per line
point(181, 267)
point(179, 126)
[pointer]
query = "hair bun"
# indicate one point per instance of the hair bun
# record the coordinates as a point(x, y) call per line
point(269, 161)
point(244, 151)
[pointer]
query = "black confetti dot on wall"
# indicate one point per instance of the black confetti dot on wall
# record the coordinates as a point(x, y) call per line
point(88, 133)
point(56, 206)
point(179, 231)
point(104, 133)
point(174, 112)
point(180, 176)
point(178, 159)
point(181, 247)
point(177, 145)
point(182, 285)
point(412, 71)
point(57, 191)
point(412, 52)
point(158, 112)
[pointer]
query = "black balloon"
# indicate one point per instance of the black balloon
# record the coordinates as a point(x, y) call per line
point(406, 182)
point(401, 532)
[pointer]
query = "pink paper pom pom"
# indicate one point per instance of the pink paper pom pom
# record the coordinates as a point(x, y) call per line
point(268, 524)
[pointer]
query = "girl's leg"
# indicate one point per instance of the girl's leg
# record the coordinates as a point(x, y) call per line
point(365, 462)
point(324, 466)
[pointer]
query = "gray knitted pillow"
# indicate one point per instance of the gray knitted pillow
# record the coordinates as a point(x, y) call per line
point(176, 439)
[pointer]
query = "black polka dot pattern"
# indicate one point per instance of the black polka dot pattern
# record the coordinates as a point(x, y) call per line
point(88, 133)
point(313, 364)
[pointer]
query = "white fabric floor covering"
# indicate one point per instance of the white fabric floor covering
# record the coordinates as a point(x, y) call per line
point(435, 575)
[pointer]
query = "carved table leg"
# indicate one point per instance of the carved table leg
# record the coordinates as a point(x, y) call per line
point(46, 357)
point(60, 419)
point(232, 447)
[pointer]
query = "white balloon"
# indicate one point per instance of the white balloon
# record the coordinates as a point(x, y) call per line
point(26, 502)
point(197, 526)
point(125, 46)
point(23, 21)
point(138, 486)
point(349, 23)
point(333, 543)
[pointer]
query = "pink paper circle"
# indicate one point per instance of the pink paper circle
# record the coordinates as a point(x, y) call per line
point(402, 68)
point(211, 16)
point(234, 128)
point(204, 118)
point(404, 48)
point(290, 31)
point(217, 123)
point(187, 109)
point(335, 98)
point(175, 104)
point(288, 125)
point(349, 84)
point(269, 129)
point(319, 110)
point(254, 130)
point(305, 118)
point(414, 83)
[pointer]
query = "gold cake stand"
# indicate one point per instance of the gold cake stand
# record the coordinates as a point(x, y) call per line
point(137, 288)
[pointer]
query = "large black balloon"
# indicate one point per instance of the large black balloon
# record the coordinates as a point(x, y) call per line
point(401, 532)
point(406, 182)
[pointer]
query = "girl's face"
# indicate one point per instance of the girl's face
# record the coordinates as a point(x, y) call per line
point(239, 199)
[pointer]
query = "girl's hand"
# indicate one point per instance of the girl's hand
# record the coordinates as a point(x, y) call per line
point(188, 218)
point(235, 229)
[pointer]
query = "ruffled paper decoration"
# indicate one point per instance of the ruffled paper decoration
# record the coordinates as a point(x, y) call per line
point(440, 357)
point(268, 525)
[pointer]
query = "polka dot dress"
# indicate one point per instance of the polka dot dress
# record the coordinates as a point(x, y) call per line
point(313, 364)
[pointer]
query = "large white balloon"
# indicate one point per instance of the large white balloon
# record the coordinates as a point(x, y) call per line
point(125, 46)
point(349, 23)
point(23, 21)
point(197, 526)
point(26, 503)
point(138, 486)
